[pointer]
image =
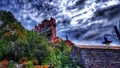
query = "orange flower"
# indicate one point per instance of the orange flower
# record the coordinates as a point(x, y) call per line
point(38, 66)
point(45, 66)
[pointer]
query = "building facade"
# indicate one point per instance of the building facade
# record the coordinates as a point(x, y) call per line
point(48, 28)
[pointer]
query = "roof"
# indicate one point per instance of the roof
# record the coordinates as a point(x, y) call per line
point(98, 47)
point(55, 40)
point(68, 42)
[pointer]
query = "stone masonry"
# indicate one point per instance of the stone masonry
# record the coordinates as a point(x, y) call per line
point(96, 56)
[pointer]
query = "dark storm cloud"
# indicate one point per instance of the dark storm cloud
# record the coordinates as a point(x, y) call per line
point(97, 1)
point(97, 30)
point(64, 20)
point(45, 7)
point(78, 4)
point(94, 31)
point(110, 12)
point(75, 33)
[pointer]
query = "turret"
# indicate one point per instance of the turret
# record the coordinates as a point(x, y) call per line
point(53, 21)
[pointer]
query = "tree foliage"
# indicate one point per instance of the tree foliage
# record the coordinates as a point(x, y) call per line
point(17, 42)
point(10, 29)
point(4, 49)
point(36, 46)
point(22, 42)
point(61, 54)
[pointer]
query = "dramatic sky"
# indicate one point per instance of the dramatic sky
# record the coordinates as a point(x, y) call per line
point(84, 21)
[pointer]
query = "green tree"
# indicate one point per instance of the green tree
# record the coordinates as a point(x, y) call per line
point(11, 30)
point(35, 46)
point(23, 42)
point(4, 49)
point(17, 42)
point(61, 53)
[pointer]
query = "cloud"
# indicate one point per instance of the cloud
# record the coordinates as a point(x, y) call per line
point(108, 12)
point(81, 20)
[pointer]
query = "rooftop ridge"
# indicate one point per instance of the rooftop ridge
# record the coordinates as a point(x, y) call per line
point(98, 47)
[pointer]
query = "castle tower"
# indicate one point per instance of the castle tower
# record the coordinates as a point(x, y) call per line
point(48, 28)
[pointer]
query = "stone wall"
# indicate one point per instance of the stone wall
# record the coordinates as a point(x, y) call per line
point(96, 56)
